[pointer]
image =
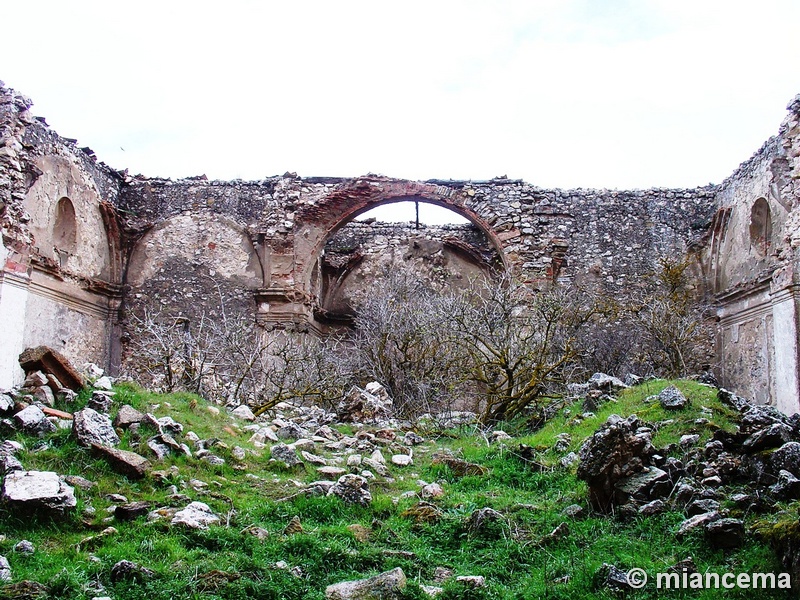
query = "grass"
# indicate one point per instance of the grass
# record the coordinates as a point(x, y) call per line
point(514, 555)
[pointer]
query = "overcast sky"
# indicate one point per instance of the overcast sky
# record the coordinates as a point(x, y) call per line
point(560, 93)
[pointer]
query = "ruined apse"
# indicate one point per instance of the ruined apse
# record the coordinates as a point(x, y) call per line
point(84, 245)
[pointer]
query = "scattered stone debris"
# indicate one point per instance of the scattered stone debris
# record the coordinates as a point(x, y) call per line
point(352, 489)
point(91, 428)
point(126, 570)
point(385, 586)
point(53, 362)
point(124, 462)
point(671, 398)
point(197, 515)
point(33, 492)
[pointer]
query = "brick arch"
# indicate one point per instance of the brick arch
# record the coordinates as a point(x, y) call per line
point(316, 224)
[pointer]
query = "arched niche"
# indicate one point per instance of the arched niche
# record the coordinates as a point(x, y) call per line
point(761, 227)
point(65, 227)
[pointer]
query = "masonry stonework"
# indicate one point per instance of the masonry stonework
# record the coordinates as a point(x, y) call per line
point(84, 247)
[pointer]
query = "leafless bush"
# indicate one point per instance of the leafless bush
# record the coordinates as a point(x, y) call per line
point(402, 340)
point(519, 342)
point(233, 361)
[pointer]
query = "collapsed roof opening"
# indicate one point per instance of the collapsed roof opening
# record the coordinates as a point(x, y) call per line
point(443, 249)
point(413, 212)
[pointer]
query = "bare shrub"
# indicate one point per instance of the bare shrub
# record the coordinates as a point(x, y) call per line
point(519, 342)
point(402, 340)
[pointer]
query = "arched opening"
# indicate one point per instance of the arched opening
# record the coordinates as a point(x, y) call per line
point(428, 242)
point(65, 228)
point(761, 227)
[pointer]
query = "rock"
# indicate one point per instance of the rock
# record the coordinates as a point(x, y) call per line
point(91, 428)
point(650, 482)
point(48, 360)
point(196, 515)
point(35, 491)
point(332, 473)
point(126, 463)
point(33, 421)
point(6, 404)
point(610, 577)
point(689, 440)
point(286, 455)
point(243, 412)
point(772, 436)
point(103, 383)
point(455, 418)
point(786, 458)
point(671, 398)
point(127, 416)
point(168, 426)
point(387, 585)
point(574, 511)
point(101, 401)
point(314, 459)
point(213, 460)
point(431, 490)
point(25, 590)
point(80, 482)
point(483, 517)
point(761, 416)
point(35, 379)
point(569, 460)
point(362, 406)
point(696, 521)
point(352, 489)
point(132, 510)
point(656, 507)
point(43, 395)
point(787, 487)
point(733, 400)
point(402, 460)
point(616, 451)
point(605, 383)
point(291, 431)
point(459, 467)
point(159, 448)
point(9, 463)
point(472, 581)
point(725, 533)
point(24, 547)
point(5, 569)
point(702, 506)
point(412, 439)
point(126, 570)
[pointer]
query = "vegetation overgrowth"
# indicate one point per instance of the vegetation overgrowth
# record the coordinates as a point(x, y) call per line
point(338, 542)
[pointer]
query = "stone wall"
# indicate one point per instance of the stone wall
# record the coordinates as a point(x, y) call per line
point(84, 246)
point(60, 261)
point(751, 265)
point(361, 254)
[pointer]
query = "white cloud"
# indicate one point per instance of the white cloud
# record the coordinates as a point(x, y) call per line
point(560, 93)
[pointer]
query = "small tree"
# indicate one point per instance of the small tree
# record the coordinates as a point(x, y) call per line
point(519, 342)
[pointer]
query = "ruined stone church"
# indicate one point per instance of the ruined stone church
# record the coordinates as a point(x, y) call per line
point(82, 243)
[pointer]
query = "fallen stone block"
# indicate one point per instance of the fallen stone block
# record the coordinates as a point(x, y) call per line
point(51, 361)
point(37, 491)
point(386, 585)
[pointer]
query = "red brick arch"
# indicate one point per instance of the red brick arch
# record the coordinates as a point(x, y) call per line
point(316, 224)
